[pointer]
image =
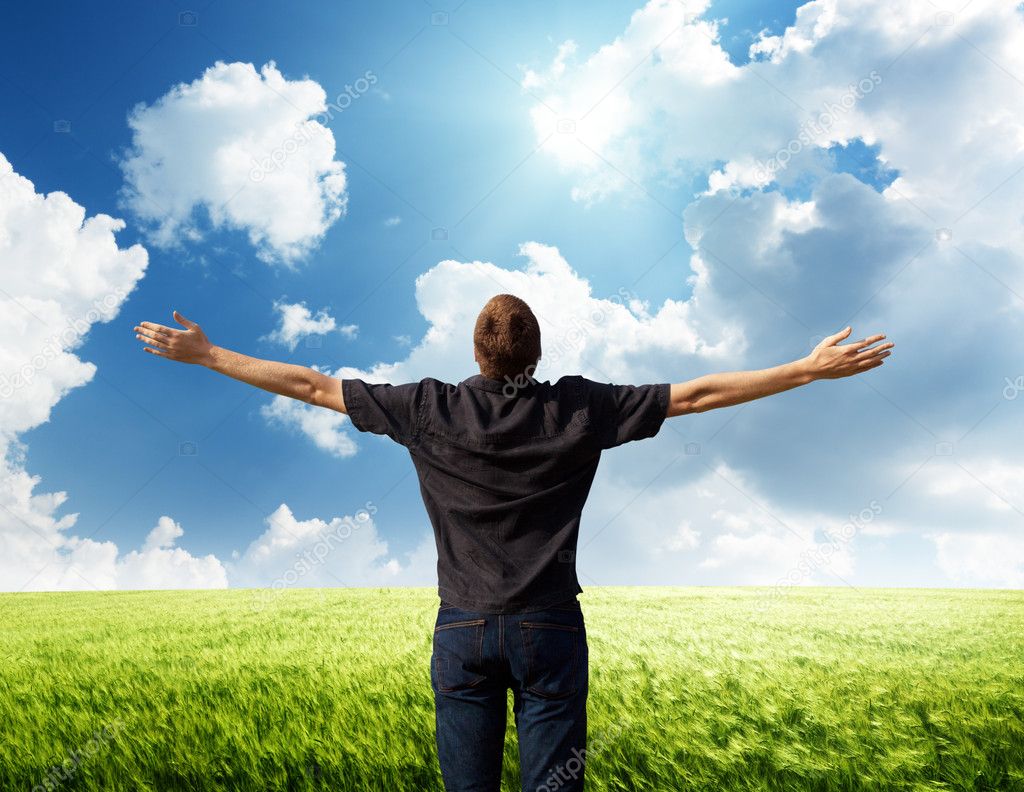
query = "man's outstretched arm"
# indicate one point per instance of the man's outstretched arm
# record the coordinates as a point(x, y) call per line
point(828, 360)
point(192, 346)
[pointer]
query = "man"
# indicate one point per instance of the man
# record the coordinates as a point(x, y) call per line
point(505, 464)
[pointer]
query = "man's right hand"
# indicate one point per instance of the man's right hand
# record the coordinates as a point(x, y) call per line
point(186, 346)
point(832, 360)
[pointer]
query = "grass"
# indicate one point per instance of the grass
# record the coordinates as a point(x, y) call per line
point(823, 689)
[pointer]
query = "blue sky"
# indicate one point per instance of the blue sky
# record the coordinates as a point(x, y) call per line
point(451, 135)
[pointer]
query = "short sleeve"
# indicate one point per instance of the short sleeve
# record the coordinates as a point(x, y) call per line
point(391, 410)
point(623, 413)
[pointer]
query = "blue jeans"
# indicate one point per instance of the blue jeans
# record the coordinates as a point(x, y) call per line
point(542, 657)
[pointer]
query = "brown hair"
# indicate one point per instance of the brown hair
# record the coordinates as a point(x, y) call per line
point(506, 338)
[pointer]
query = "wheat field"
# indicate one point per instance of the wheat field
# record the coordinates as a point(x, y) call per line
point(691, 688)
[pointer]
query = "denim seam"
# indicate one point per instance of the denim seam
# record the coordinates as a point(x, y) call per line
point(524, 628)
point(468, 623)
point(478, 623)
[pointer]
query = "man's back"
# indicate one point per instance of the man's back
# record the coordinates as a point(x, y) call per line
point(505, 465)
point(505, 470)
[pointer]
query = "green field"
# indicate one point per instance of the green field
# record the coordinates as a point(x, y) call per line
point(709, 689)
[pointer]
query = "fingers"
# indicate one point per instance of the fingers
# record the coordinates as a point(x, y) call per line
point(881, 350)
point(832, 340)
point(866, 342)
point(187, 323)
point(155, 337)
point(160, 342)
point(868, 363)
point(156, 329)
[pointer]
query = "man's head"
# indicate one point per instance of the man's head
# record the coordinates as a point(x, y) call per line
point(506, 339)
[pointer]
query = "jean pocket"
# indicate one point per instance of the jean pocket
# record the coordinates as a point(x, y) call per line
point(458, 653)
point(552, 653)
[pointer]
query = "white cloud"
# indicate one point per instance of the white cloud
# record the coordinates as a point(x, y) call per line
point(342, 551)
point(164, 535)
point(614, 337)
point(983, 559)
point(161, 565)
point(663, 100)
point(684, 538)
point(297, 322)
point(326, 428)
point(732, 530)
point(62, 273)
point(391, 222)
point(247, 147)
point(988, 483)
point(813, 22)
point(938, 94)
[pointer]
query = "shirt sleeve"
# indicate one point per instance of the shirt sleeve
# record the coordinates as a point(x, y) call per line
point(391, 410)
point(623, 413)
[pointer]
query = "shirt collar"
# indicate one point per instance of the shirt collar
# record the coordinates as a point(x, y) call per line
point(505, 386)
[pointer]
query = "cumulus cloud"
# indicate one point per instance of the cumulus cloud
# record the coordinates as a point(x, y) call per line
point(326, 428)
point(296, 322)
point(981, 559)
point(249, 149)
point(772, 271)
point(933, 93)
point(934, 90)
point(161, 565)
point(615, 337)
point(63, 273)
point(342, 551)
point(164, 535)
point(703, 521)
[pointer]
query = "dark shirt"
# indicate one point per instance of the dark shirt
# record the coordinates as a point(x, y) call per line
point(504, 473)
